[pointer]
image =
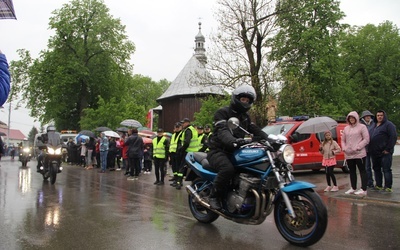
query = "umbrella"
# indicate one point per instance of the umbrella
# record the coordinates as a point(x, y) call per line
point(144, 129)
point(87, 133)
point(102, 129)
point(147, 140)
point(7, 10)
point(82, 138)
point(2, 134)
point(317, 125)
point(168, 134)
point(111, 134)
point(122, 129)
point(131, 123)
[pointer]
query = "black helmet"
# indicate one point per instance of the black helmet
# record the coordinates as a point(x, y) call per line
point(51, 128)
point(243, 91)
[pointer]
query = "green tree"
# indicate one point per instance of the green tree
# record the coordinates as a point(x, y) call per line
point(31, 136)
point(130, 105)
point(371, 55)
point(209, 106)
point(87, 58)
point(239, 54)
point(306, 51)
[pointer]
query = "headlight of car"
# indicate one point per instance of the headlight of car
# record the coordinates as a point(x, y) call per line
point(26, 150)
point(287, 153)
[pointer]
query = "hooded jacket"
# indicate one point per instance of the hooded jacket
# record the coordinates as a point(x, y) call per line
point(383, 137)
point(4, 79)
point(355, 138)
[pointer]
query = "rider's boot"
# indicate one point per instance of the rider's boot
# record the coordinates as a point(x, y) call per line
point(215, 200)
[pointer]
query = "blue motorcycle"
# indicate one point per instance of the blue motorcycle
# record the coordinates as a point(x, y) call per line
point(263, 183)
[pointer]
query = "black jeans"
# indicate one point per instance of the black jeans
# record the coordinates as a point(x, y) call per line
point(159, 165)
point(360, 164)
point(134, 166)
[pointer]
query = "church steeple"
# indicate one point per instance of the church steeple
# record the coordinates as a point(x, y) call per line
point(200, 51)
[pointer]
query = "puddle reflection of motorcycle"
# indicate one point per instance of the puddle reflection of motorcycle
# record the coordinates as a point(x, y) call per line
point(48, 217)
point(49, 160)
point(24, 179)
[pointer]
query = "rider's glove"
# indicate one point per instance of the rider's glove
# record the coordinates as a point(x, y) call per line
point(239, 142)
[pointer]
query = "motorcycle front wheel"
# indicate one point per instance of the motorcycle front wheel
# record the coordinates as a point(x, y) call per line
point(53, 173)
point(199, 212)
point(311, 218)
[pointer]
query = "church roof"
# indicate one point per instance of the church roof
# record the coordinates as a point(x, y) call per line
point(194, 79)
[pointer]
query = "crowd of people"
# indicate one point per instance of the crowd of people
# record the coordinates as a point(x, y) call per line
point(368, 145)
point(132, 154)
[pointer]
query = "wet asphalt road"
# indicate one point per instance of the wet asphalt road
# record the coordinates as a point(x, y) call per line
point(89, 210)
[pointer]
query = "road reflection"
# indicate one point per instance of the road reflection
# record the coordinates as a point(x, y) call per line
point(24, 179)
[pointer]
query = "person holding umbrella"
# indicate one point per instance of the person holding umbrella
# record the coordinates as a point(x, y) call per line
point(354, 140)
point(329, 148)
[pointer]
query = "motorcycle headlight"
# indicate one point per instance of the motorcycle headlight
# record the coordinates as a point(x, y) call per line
point(52, 151)
point(287, 154)
point(26, 150)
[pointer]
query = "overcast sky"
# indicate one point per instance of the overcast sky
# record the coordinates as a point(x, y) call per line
point(163, 32)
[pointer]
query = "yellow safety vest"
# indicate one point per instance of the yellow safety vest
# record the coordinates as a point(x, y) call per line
point(174, 142)
point(194, 142)
point(159, 148)
point(200, 139)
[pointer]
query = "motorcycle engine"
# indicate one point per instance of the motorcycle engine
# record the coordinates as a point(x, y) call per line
point(240, 200)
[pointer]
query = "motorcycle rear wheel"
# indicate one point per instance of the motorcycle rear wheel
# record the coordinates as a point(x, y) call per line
point(53, 173)
point(199, 212)
point(311, 218)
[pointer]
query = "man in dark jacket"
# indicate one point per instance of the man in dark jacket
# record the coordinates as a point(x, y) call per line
point(381, 148)
point(367, 120)
point(135, 152)
point(224, 141)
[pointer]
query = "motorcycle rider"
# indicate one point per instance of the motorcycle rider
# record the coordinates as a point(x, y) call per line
point(224, 141)
point(52, 138)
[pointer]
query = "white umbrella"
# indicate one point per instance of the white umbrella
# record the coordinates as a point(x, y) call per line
point(317, 125)
point(131, 123)
point(110, 133)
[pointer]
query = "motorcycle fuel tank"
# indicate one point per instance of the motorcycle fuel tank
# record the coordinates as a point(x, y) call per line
point(246, 155)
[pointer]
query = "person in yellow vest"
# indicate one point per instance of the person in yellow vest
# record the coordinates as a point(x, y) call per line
point(190, 143)
point(208, 133)
point(175, 143)
point(160, 155)
point(203, 139)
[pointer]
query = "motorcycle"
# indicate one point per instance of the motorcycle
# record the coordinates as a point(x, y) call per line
point(263, 183)
point(25, 155)
point(51, 159)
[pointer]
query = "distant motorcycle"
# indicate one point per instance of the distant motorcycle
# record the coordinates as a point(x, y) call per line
point(263, 183)
point(25, 155)
point(51, 156)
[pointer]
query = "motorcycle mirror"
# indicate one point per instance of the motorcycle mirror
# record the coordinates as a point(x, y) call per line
point(233, 123)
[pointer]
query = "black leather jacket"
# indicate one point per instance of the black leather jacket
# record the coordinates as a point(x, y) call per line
point(224, 138)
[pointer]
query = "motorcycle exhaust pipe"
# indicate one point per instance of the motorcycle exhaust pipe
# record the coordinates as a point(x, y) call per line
point(197, 197)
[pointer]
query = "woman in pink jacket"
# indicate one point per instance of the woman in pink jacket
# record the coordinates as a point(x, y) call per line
point(354, 139)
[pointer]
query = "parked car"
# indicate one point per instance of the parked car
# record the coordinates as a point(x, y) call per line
point(306, 146)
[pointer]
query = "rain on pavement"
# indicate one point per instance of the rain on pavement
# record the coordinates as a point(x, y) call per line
point(89, 210)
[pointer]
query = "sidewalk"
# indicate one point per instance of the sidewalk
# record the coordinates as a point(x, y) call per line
point(380, 196)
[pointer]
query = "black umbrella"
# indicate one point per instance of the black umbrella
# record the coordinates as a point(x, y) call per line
point(7, 10)
point(2, 134)
point(87, 133)
point(102, 129)
point(122, 129)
